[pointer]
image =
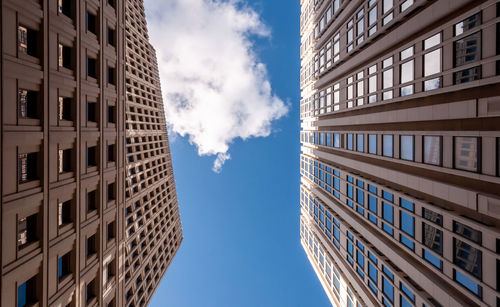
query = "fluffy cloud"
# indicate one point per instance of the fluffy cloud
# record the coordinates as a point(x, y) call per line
point(215, 88)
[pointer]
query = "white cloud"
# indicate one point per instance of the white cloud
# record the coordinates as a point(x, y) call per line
point(215, 88)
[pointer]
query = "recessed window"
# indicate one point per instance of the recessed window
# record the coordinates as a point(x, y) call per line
point(111, 75)
point(26, 293)
point(467, 50)
point(111, 153)
point(91, 201)
point(111, 191)
point(111, 3)
point(336, 140)
point(64, 266)
point(28, 104)
point(64, 111)
point(468, 258)
point(91, 156)
point(92, 67)
point(64, 213)
point(64, 7)
point(26, 231)
point(109, 273)
point(360, 142)
point(467, 75)
point(432, 150)
point(388, 145)
point(468, 232)
point(407, 147)
point(468, 23)
point(91, 111)
point(467, 153)
point(350, 141)
point(432, 238)
point(64, 56)
point(27, 165)
point(111, 37)
point(432, 216)
point(468, 283)
point(27, 41)
point(91, 23)
point(111, 114)
point(91, 246)
point(90, 291)
point(110, 231)
point(372, 144)
point(64, 160)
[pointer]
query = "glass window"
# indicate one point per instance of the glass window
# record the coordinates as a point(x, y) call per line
point(407, 147)
point(407, 53)
point(467, 49)
point(432, 41)
point(467, 75)
point(432, 62)
point(468, 258)
point(407, 223)
point(467, 153)
point(388, 289)
point(336, 140)
point(388, 196)
point(372, 144)
point(388, 212)
point(467, 232)
point(432, 238)
point(387, 78)
point(435, 261)
point(387, 144)
point(432, 216)
point(468, 23)
point(407, 72)
point(468, 283)
point(329, 139)
point(408, 292)
point(388, 5)
point(360, 142)
point(432, 150)
point(372, 272)
point(372, 16)
point(350, 141)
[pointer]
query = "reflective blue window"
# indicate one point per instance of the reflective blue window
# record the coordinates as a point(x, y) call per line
point(360, 246)
point(316, 137)
point(350, 236)
point(408, 292)
point(372, 218)
point(21, 295)
point(408, 205)
point(372, 257)
point(360, 259)
point(360, 198)
point(350, 203)
point(336, 233)
point(405, 302)
point(407, 241)
point(388, 212)
point(372, 189)
point(322, 139)
point(350, 141)
point(388, 229)
point(372, 272)
point(372, 203)
point(336, 140)
point(388, 196)
point(468, 283)
point(360, 142)
point(407, 223)
point(386, 303)
point(350, 179)
point(373, 287)
point(387, 272)
point(360, 272)
point(388, 289)
point(329, 139)
point(372, 144)
point(435, 261)
point(336, 184)
point(350, 191)
point(60, 267)
point(328, 224)
point(387, 145)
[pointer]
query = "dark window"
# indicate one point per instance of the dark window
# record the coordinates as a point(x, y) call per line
point(64, 109)
point(90, 291)
point(28, 104)
point(64, 7)
point(467, 153)
point(433, 150)
point(111, 153)
point(111, 76)
point(64, 213)
point(64, 266)
point(90, 246)
point(111, 191)
point(111, 37)
point(468, 258)
point(111, 114)
point(432, 238)
point(468, 23)
point(91, 23)
point(92, 112)
point(27, 41)
point(110, 231)
point(432, 216)
point(27, 167)
point(467, 49)
point(467, 75)
point(65, 57)
point(92, 67)
point(26, 231)
point(111, 3)
point(467, 232)
point(91, 201)
point(91, 156)
point(65, 160)
point(26, 293)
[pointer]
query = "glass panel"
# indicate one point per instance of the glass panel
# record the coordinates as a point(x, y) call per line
point(467, 49)
point(407, 147)
point(466, 153)
point(432, 84)
point(388, 289)
point(432, 41)
point(387, 143)
point(405, 54)
point(372, 16)
point(432, 150)
point(387, 5)
point(432, 62)
point(372, 144)
point(388, 212)
point(407, 72)
point(467, 232)
point(360, 142)
point(468, 258)
point(432, 216)
point(468, 283)
point(468, 23)
point(388, 78)
point(435, 261)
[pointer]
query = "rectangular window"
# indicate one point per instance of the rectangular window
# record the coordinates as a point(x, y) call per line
point(407, 147)
point(388, 289)
point(64, 213)
point(387, 144)
point(90, 291)
point(432, 259)
point(26, 293)
point(65, 57)
point(432, 216)
point(27, 41)
point(360, 143)
point(468, 232)
point(111, 114)
point(28, 104)
point(468, 258)
point(111, 153)
point(27, 165)
point(26, 231)
point(467, 153)
point(468, 23)
point(64, 111)
point(372, 144)
point(92, 67)
point(111, 36)
point(91, 156)
point(64, 160)
point(64, 266)
point(111, 192)
point(336, 140)
point(432, 238)
point(91, 201)
point(467, 75)
point(468, 283)
point(91, 246)
point(467, 50)
point(64, 7)
point(92, 112)
point(350, 141)
point(433, 150)
point(91, 23)
point(110, 231)
point(111, 75)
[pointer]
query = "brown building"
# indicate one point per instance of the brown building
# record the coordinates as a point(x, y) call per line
point(400, 164)
point(89, 212)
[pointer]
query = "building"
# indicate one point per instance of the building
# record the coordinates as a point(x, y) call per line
point(400, 163)
point(89, 212)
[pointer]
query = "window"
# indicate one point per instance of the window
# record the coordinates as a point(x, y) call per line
point(91, 201)
point(467, 49)
point(336, 140)
point(27, 41)
point(407, 147)
point(467, 153)
point(111, 153)
point(388, 216)
point(387, 77)
point(468, 23)
point(432, 259)
point(432, 150)
point(64, 111)
point(64, 7)
point(498, 156)
point(92, 67)
point(387, 144)
point(28, 104)
point(111, 75)
point(91, 111)
point(26, 231)
point(64, 160)
point(432, 62)
point(111, 37)
point(432, 238)
point(467, 75)
point(109, 272)
point(407, 225)
point(468, 283)
point(111, 114)
point(388, 289)
point(91, 23)
point(468, 232)
point(64, 266)
point(111, 192)
point(110, 231)
point(64, 57)
point(112, 3)
point(372, 144)
point(468, 258)
point(407, 72)
point(91, 156)
point(90, 291)
point(90, 246)
point(27, 165)
point(360, 142)
point(64, 213)
point(350, 141)
point(26, 293)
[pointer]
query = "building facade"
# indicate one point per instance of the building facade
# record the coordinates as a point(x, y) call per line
point(89, 213)
point(400, 163)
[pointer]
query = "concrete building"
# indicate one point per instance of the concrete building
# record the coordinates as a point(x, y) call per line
point(400, 163)
point(89, 213)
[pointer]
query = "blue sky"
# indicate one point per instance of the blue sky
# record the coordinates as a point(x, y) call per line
point(241, 226)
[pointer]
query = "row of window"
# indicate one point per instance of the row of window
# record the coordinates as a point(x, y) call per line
point(467, 150)
point(379, 208)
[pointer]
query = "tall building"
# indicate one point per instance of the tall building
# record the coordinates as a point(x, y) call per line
point(89, 213)
point(400, 163)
